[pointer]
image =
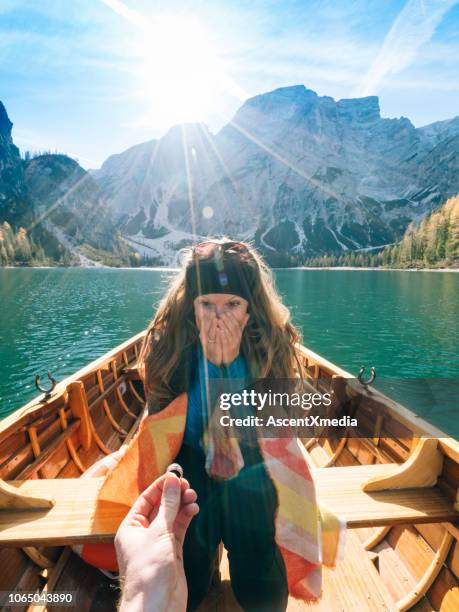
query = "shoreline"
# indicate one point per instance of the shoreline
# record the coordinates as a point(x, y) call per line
point(173, 269)
point(371, 269)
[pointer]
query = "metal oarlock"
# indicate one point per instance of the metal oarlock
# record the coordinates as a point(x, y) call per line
point(369, 380)
point(47, 392)
point(176, 469)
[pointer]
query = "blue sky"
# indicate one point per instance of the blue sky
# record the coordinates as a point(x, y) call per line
point(93, 77)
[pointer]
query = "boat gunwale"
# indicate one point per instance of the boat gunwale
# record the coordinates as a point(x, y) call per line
point(399, 412)
point(60, 389)
point(404, 415)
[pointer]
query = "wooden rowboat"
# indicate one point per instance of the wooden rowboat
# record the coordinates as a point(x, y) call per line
point(402, 550)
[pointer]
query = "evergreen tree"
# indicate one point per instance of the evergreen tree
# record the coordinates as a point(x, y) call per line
point(434, 241)
point(442, 238)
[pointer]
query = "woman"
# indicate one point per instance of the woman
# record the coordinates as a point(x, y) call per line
point(223, 322)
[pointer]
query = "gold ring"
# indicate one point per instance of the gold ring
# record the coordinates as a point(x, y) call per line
point(212, 341)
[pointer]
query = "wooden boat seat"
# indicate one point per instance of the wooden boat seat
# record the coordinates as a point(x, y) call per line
point(62, 511)
point(341, 490)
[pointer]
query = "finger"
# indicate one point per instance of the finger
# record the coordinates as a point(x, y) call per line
point(204, 317)
point(222, 336)
point(189, 496)
point(183, 482)
point(208, 329)
point(229, 340)
point(226, 342)
point(184, 486)
point(233, 329)
point(191, 509)
point(170, 500)
point(146, 504)
point(183, 521)
point(225, 326)
point(226, 331)
point(232, 322)
point(213, 328)
point(205, 324)
point(218, 345)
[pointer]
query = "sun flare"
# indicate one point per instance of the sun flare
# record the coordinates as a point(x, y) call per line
point(180, 71)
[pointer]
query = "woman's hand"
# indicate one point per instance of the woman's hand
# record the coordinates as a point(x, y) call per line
point(210, 339)
point(221, 334)
point(149, 545)
point(229, 335)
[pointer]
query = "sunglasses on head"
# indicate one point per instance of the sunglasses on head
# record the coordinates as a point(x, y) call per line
point(210, 248)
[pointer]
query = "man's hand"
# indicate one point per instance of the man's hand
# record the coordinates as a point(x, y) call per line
point(149, 545)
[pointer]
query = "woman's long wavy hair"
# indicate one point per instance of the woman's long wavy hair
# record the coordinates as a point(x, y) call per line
point(269, 341)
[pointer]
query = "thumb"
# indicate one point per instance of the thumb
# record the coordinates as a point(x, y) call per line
point(170, 500)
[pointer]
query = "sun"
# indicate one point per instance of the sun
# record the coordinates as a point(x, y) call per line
point(180, 71)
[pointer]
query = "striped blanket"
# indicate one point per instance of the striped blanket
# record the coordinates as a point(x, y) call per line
point(307, 534)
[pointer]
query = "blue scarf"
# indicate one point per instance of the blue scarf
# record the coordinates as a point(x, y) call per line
point(208, 382)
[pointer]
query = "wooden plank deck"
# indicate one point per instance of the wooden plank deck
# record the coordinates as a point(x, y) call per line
point(354, 585)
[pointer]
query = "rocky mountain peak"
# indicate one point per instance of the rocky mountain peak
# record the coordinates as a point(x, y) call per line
point(5, 126)
point(178, 129)
point(51, 176)
point(12, 193)
point(441, 129)
point(359, 109)
point(193, 135)
point(280, 104)
point(298, 94)
point(289, 101)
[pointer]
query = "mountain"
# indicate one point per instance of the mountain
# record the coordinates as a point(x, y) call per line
point(431, 243)
point(117, 180)
point(300, 174)
point(50, 202)
point(13, 200)
point(67, 197)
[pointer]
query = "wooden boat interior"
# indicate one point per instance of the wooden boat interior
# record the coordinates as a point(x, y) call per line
point(402, 549)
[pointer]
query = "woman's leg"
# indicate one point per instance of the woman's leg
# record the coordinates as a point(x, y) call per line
point(204, 534)
point(258, 575)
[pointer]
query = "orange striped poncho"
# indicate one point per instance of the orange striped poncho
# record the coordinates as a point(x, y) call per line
point(307, 534)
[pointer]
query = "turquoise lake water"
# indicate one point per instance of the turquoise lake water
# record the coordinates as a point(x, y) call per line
point(403, 323)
